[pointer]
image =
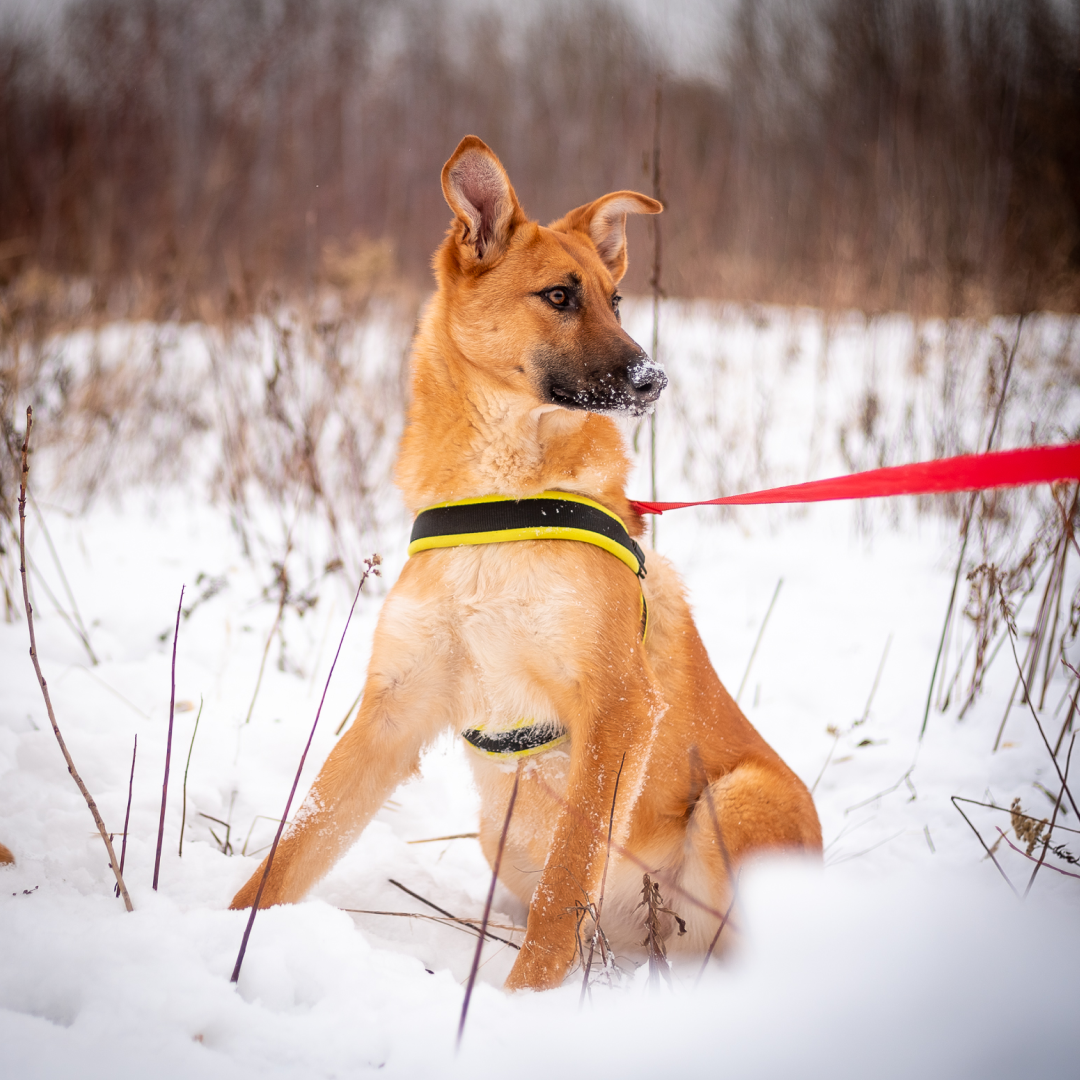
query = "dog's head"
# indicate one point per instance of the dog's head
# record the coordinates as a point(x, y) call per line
point(537, 307)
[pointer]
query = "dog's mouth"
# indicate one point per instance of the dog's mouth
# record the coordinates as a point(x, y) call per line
point(633, 390)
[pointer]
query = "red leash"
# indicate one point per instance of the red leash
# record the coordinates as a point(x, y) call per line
point(972, 472)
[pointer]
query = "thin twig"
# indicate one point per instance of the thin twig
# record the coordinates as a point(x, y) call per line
point(187, 765)
point(487, 905)
point(1067, 873)
point(113, 863)
point(761, 634)
point(905, 779)
point(348, 712)
point(657, 290)
point(468, 925)
point(127, 812)
point(603, 885)
point(168, 743)
point(1069, 716)
point(80, 628)
point(696, 760)
point(968, 517)
point(371, 566)
point(283, 581)
point(1035, 716)
point(1020, 814)
point(443, 911)
point(862, 719)
point(716, 938)
point(956, 800)
point(454, 836)
point(1053, 820)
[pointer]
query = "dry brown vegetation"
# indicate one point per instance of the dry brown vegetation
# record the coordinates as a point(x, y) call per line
point(183, 158)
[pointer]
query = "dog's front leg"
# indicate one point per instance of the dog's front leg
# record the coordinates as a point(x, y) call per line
point(614, 730)
point(405, 705)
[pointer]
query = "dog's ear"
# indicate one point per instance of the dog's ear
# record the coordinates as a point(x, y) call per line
point(479, 192)
point(604, 222)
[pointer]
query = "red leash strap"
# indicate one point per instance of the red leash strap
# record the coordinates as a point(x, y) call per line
point(972, 472)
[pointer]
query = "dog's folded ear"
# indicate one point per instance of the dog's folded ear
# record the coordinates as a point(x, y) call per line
point(480, 193)
point(604, 222)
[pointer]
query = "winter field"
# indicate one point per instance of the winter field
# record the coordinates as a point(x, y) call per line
point(252, 467)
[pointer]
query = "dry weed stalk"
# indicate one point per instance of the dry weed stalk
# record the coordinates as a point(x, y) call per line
point(757, 641)
point(127, 812)
point(654, 906)
point(487, 905)
point(371, 567)
point(1010, 625)
point(113, 864)
point(1060, 850)
point(168, 744)
point(452, 918)
point(187, 766)
point(469, 926)
point(599, 910)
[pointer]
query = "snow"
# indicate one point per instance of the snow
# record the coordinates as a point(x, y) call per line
point(905, 953)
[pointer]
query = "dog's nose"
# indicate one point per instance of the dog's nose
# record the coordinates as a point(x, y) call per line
point(647, 379)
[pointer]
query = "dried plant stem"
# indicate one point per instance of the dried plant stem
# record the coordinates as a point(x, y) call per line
point(716, 938)
point(168, 744)
point(1067, 873)
point(487, 905)
point(187, 765)
point(371, 566)
point(603, 885)
point(657, 290)
point(1068, 719)
point(969, 515)
point(348, 712)
point(757, 642)
point(1038, 635)
point(127, 812)
point(1053, 820)
point(1035, 717)
point(452, 836)
point(956, 800)
point(113, 863)
point(283, 582)
point(443, 911)
point(76, 617)
point(697, 763)
point(468, 925)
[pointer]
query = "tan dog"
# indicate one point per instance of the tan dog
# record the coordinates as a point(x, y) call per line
point(519, 355)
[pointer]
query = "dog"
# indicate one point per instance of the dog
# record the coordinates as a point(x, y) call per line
point(582, 687)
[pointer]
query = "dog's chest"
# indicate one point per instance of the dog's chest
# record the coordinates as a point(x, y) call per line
point(520, 626)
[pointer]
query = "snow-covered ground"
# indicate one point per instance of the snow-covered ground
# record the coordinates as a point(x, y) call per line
point(905, 954)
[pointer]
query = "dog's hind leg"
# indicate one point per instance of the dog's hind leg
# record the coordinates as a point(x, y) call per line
point(756, 808)
point(404, 707)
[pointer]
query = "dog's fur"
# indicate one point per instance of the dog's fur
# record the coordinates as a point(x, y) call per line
point(518, 357)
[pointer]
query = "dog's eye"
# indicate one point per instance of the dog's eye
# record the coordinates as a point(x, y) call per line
point(559, 298)
point(615, 304)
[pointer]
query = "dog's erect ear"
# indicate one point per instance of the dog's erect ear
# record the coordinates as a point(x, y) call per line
point(604, 222)
point(479, 192)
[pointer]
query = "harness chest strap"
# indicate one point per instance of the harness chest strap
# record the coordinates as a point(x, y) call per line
point(552, 515)
point(494, 519)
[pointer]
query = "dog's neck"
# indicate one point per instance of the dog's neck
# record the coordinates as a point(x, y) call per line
point(468, 435)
